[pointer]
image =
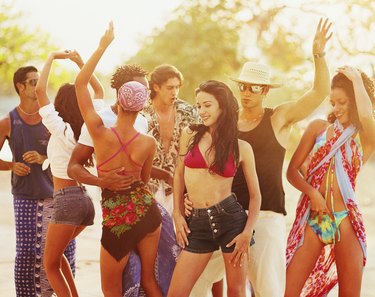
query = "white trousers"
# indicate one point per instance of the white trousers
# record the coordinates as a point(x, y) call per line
point(267, 262)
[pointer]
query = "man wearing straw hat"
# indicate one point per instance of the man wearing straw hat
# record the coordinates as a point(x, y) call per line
point(267, 130)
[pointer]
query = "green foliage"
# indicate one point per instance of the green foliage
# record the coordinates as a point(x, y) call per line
point(200, 42)
point(19, 47)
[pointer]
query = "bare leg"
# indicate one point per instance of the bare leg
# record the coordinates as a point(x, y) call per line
point(217, 289)
point(187, 271)
point(349, 261)
point(302, 263)
point(57, 267)
point(147, 249)
point(111, 273)
point(236, 277)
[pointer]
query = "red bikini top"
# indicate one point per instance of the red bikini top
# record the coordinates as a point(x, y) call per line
point(194, 159)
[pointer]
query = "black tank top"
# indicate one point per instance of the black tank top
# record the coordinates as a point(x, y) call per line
point(269, 158)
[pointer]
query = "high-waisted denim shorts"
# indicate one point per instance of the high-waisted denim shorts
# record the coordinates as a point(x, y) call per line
point(73, 206)
point(215, 226)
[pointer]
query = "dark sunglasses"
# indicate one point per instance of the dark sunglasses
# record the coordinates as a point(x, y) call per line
point(32, 82)
point(255, 89)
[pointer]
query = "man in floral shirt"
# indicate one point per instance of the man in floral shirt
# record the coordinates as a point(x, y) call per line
point(167, 116)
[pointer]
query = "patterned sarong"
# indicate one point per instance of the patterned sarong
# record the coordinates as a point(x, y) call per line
point(347, 152)
point(32, 218)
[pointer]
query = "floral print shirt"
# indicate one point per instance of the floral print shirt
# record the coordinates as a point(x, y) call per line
point(186, 114)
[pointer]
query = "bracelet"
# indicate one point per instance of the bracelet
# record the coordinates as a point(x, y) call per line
point(319, 55)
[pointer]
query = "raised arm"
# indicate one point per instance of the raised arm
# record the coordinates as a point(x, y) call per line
point(94, 81)
point(42, 85)
point(93, 121)
point(178, 191)
point(364, 108)
point(293, 112)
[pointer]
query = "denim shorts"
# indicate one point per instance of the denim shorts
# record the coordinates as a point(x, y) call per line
point(73, 206)
point(214, 227)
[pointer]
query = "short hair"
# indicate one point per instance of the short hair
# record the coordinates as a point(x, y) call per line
point(125, 74)
point(21, 74)
point(161, 74)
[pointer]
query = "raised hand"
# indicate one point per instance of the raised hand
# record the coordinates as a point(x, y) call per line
point(76, 58)
point(107, 37)
point(67, 54)
point(321, 36)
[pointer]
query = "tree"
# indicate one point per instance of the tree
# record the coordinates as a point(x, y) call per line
point(18, 46)
point(207, 39)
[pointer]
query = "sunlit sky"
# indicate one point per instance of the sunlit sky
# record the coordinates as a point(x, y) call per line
point(79, 24)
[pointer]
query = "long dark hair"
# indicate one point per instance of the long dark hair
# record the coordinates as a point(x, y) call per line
point(67, 106)
point(342, 82)
point(225, 134)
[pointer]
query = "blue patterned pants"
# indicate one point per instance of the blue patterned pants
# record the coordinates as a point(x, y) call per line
point(32, 218)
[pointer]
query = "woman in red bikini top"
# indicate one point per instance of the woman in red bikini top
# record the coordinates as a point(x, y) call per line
point(131, 218)
point(208, 159)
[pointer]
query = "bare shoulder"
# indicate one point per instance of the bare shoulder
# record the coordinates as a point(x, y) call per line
point(317, 126)
point(148, 139)
point(5, 126)
point(244, 145)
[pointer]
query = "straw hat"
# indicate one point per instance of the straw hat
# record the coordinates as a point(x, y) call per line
point(257, 74)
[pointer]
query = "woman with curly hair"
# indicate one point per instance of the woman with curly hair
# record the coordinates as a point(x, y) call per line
point(209, 156)
point(327, 243)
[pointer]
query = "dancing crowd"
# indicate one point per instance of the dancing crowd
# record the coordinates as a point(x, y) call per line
point(192, 199)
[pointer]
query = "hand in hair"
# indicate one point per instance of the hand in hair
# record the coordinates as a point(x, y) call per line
point(350, 72)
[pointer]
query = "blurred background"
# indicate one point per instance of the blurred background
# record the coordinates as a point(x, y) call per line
point(204, 39)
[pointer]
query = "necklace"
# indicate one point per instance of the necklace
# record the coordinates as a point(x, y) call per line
point(169, 116)
point(26, 113)
point(257, 118)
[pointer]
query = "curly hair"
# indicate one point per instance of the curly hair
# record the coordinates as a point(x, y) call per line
point(125, 74)
point(341, 81)
point(225, 135)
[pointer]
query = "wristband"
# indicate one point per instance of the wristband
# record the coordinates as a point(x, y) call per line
point(319, 55)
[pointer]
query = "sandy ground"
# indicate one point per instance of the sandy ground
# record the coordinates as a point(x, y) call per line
point(88, 277)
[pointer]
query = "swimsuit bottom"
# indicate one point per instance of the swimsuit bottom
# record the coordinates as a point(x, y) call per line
point(327, 228)
point(128, 216)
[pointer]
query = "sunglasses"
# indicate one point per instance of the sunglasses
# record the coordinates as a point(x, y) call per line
point(32, 82)
point(255, 89)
